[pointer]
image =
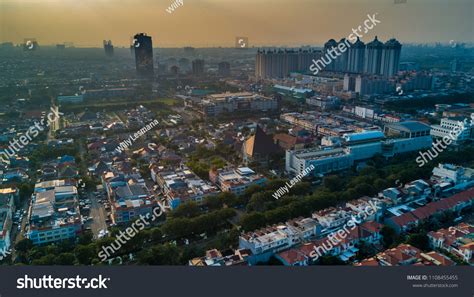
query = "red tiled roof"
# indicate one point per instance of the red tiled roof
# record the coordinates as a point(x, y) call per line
point(433, 207)
point(404, 219)
point(445, 261)
point(401, 253)
point(292, 256)
point(368, 262)
point(372, 226)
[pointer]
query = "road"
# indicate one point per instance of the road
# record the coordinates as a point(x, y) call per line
point(98, 215)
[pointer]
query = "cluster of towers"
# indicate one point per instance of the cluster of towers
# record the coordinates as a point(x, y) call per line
point(375, 58)
point(372, 58)
point(280, 63)
point(109, 48)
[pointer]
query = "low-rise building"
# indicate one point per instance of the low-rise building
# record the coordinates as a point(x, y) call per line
point(236, 180)
point(458, 129)
point(455, 203)
point(129, 197)
point(345, 248)
point(214, 105)
point(180, 185)
point(358, 147)
point(266, 242)
point(8, 196)
point(457, 240)
point(406, 255)
point(215, 257)
point(54, 212)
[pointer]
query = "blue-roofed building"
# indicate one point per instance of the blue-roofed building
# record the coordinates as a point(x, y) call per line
point(361, 137)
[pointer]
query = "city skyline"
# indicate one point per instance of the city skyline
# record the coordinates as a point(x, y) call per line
point(209, 23)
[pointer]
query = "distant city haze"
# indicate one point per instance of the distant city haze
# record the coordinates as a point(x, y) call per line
point(206, 23)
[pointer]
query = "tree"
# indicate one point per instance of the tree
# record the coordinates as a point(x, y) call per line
point(45, 260)
point(252, 221)
point(163, 254)
point(24, 245)
point(64, 259)
point(26, 189)
point(259, 200)
point(156, 235)
point(188, 210)
point(302, 188)
point(333, 183)
point(214, 202)
point(419, 240)
point(388, 236)
point(86, 237)
point(177, 227)
point(228, 198)
point(85, 253)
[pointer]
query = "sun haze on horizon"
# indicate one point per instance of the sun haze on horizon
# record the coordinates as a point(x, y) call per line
point(204, 23)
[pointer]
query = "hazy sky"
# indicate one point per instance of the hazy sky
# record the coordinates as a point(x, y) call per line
point(217, 22)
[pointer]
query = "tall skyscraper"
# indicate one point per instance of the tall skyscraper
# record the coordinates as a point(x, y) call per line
point(224, 69)
point(184, 64)
point(373, 57)
point(327, 46)
point(356, 55)
point(189, 50)
point(280, 63)
point(391, 57)
point(342, 60)
point(198, 67)
point(109, 48)
point(143, 48)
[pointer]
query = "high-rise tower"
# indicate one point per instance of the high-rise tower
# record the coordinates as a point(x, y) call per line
point(356, 57)
point(373, 57)
point(109, 48)
point(391, 57)
point(143, 49)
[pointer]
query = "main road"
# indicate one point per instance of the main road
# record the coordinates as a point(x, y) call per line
point(98, 215)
